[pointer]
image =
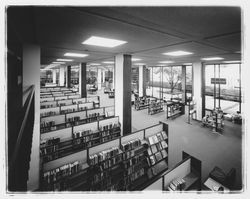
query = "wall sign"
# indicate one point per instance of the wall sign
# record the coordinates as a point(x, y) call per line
point(218, 80)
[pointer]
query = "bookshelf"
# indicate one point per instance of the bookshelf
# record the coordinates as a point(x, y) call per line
point(214, 120)
point(174, 109)
point(155, 107)
point(120, 164)
point(143, 102)
point(71, 140)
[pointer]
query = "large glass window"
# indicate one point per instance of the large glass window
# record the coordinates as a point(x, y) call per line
point(222, 87)
point(157, 82)
point(172, 82)
point(149, 89)
point(189, 81)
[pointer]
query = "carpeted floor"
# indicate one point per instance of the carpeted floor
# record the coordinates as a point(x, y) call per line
point(224, 151)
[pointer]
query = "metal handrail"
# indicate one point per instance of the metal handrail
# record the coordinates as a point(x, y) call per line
point(21, 131)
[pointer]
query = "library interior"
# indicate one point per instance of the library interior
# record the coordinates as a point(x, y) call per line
point(124, 99)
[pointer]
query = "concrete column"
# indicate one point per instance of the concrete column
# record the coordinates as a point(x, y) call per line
point(61, 76)
point(197, 88)
point(68, 76)
point(113, 78)
point(99, 78)
point(122, 79)
point(103, 76)
point(183, 84)
point(83, 80)
point(54, 75)
point(31, 76)
point(142, 81)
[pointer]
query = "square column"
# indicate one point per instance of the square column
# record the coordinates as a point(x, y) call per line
point(83, 79)
point(54, 76)
point(198, 87)
point(68, 76)
point(99, 78)
point(61, 76)
point(103, 76)
point(142, 80)
point(183, 84)
point(122, 79)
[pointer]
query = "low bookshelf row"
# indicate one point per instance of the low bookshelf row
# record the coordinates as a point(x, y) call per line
point(77, 138)
point(56, 122)
point(67, 109)
point(174, 108)
point(57, 94)
point(143, 102)
point(64, 102)
point(155, 107)
point(126, 163)
point(65, 97)
point(55, 89)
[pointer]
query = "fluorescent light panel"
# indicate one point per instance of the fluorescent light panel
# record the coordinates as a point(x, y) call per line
point(108, 62)
point(94, 64)
point(234, 61)
point(136, 59)
point(58, 62)
point(64, 60)
point(212, 58)
point(178, 53)
point(166, 62)
point(104, 42)
point(75, 55)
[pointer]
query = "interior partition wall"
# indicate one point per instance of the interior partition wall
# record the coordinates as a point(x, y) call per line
point(223, 87)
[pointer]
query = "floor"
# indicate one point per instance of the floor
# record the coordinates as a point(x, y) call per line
point(222, 150)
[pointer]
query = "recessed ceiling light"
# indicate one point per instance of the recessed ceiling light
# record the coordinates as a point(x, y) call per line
point(136, 59)
point(139, 64)
point(108, 62)
point(75, 55)
point(234, 61)
point(64, 60)
point(187, 64)
point(104, 42)
point(58, 62)
point(94, 64)
point(166, 62)
point(212, 58)
point(178, 53)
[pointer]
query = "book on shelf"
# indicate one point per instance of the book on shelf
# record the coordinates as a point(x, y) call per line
point(164, 144)
point(158, 146)
point(164, 135)
point(152, 159)
point(153, 148)
point(164, 153)
point(158, 156)
point(159, 136)
point(149, 151)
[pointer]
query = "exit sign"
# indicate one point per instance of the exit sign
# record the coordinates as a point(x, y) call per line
point(218, 80)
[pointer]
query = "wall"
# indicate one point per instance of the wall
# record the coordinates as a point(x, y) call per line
point(31, 76)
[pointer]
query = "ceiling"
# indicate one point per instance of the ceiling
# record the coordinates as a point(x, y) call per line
point(149, 31)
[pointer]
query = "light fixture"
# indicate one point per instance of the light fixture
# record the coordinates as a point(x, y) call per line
point(187, 64)
point(161, 65)
point(231, 62)
point(64, 60)
point(141, 64)
point(136, 59)
point(75, 55)
point(165, 62)
point(178, 53)
point(108, 62)
point(104, 42)
point(212, 58)
point(50, 66)
point(58, 62)
point(94, 64)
